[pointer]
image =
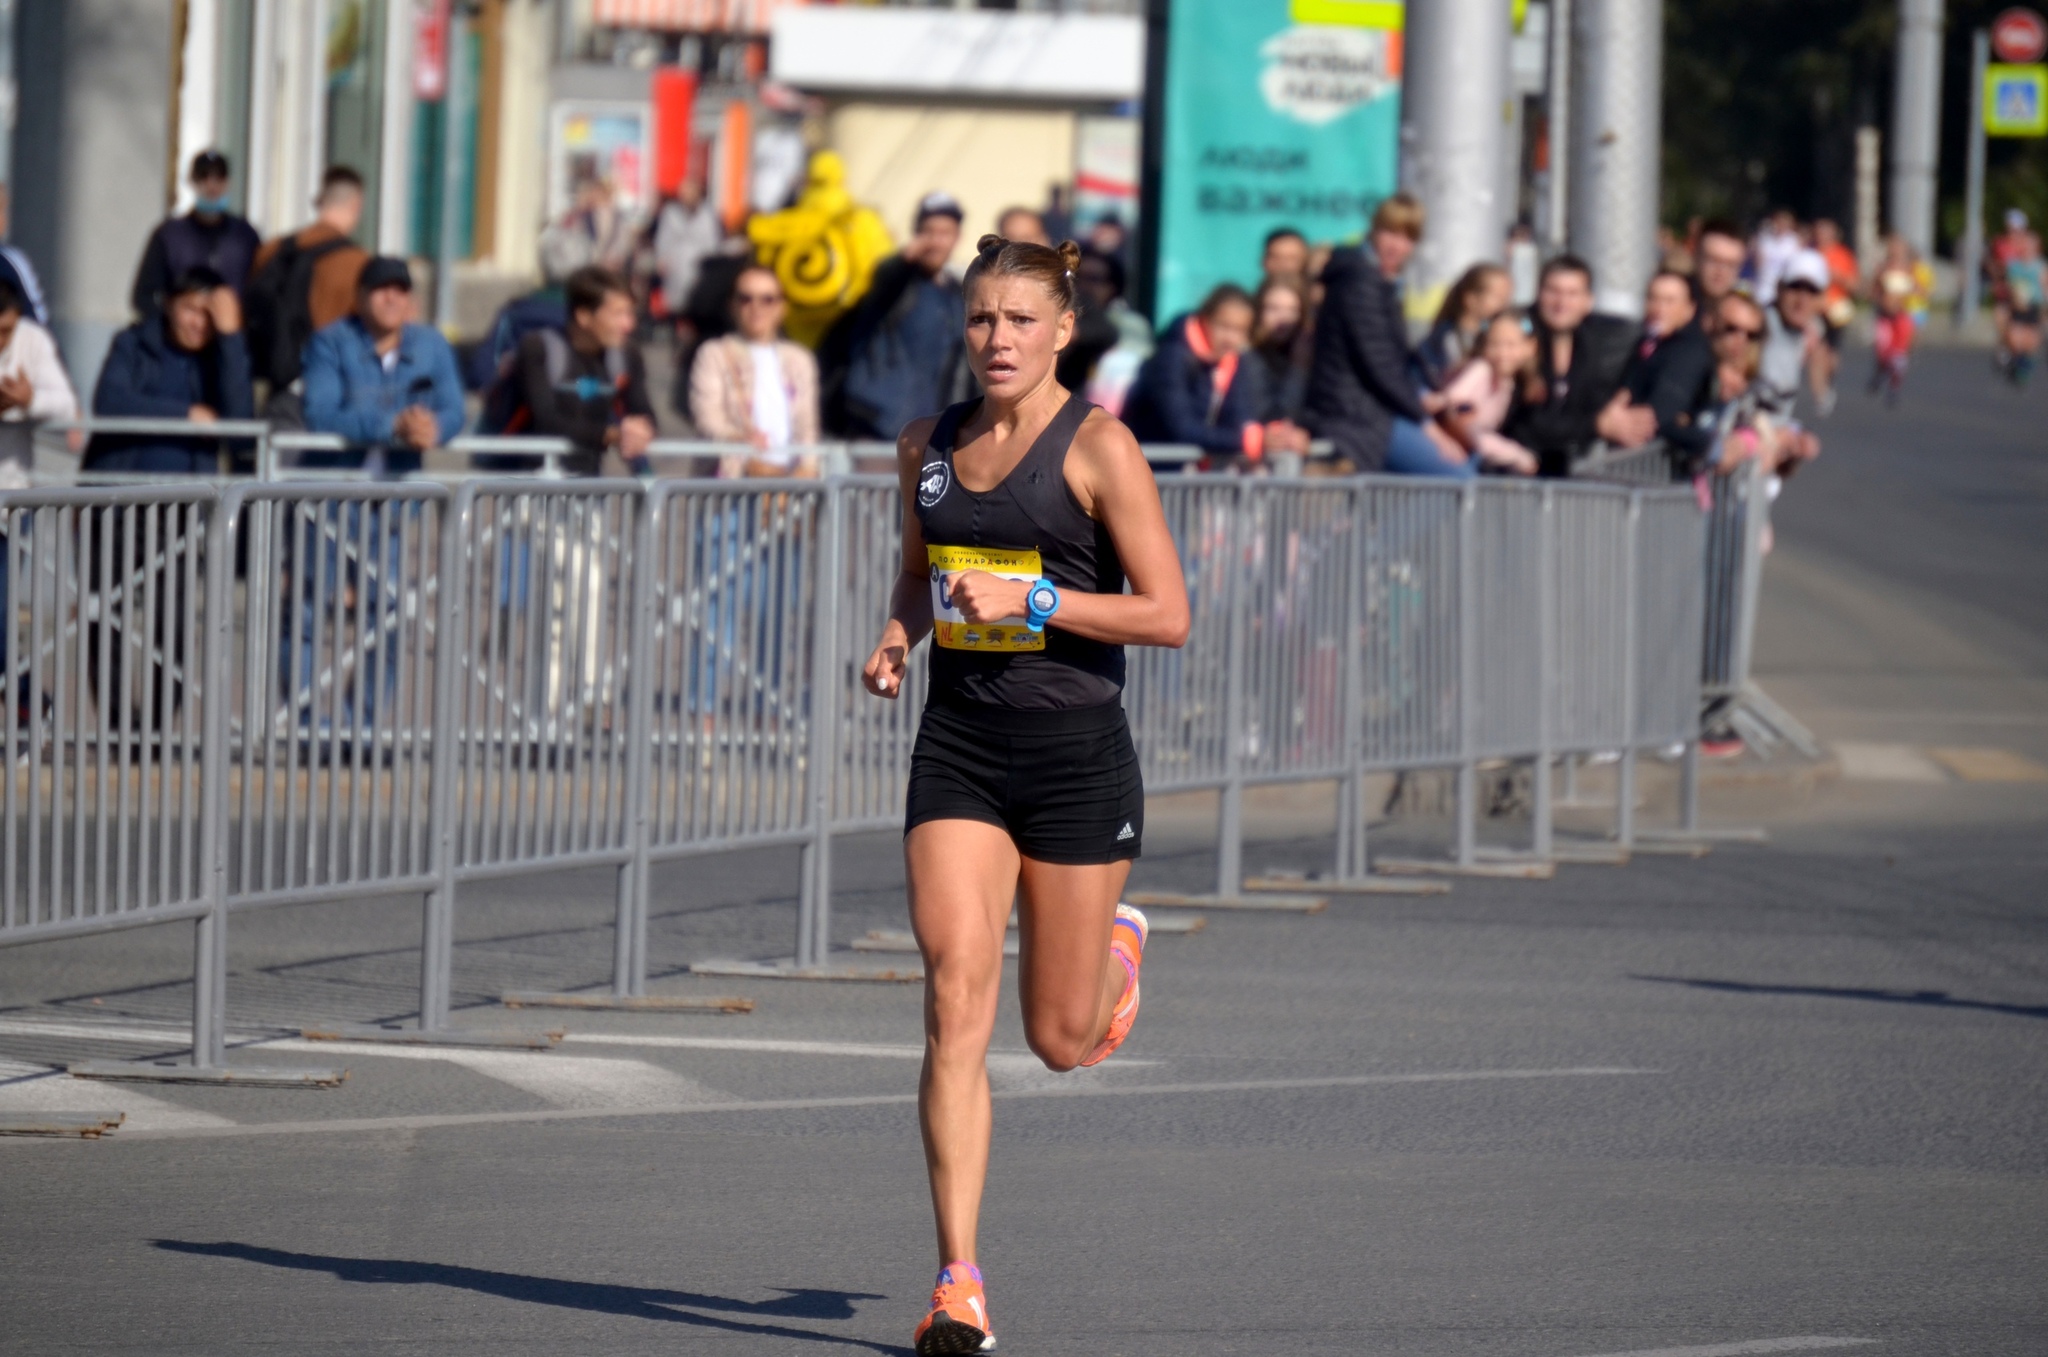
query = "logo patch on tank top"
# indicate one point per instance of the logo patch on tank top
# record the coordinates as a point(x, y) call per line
point(950, 629)
point(932, 483)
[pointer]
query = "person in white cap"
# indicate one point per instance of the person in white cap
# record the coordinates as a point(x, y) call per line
point(1795, 343)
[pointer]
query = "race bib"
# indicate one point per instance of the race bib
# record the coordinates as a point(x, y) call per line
point(954, 632)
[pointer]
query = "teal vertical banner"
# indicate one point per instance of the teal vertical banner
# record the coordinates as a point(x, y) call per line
point(1276, 113)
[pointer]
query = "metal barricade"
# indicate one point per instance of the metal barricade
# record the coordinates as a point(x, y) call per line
point(306, 691)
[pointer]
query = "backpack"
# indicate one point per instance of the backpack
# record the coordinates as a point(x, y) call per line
point(506, 409)
point(277, 304)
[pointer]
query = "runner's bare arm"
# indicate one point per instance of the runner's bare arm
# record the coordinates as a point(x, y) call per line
point(910, 602)
point(1110, 478)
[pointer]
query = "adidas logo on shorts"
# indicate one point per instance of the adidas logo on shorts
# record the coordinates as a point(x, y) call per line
point(1126, 832)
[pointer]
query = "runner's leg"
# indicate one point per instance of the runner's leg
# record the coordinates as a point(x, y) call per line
point(1068, 980)
point(963, 877)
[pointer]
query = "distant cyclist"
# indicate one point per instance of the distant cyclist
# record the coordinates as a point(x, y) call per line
point(1025, 514)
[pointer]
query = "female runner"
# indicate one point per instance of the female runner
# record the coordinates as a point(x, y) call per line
point(1024, 514)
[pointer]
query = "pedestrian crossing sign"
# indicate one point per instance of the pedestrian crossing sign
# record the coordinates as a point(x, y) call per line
point(2016, 101)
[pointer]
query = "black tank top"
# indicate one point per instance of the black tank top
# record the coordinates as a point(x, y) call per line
point(1032, 510)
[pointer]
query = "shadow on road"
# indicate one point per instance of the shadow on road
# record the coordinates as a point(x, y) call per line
point(1930, 998)
point(637, 1302)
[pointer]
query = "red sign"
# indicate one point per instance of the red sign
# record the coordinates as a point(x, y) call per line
point(2019, 37)
point(429, 50)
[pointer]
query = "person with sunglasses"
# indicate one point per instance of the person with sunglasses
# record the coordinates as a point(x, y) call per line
point(755, 387)
point(1731, 421)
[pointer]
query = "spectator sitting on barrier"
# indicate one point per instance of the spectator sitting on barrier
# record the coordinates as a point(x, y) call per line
point(210, 236)
point(1197, 387)
point(1717, 263)
point(901, 353)
point(1281, 349)
point(1480, 294)
point(386, 384)
point(1361, 395)
point(188, 362)
point(586, 384)
point(1579, 358)
point(753, 386)
point(1286, 256)
point(1795, 343)
point(33, 383)
point(1479, 395)
point(1663, 376)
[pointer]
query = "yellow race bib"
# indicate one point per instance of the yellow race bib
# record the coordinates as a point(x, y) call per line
point(954, 632)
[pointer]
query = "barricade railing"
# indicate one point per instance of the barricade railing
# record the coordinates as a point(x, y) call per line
point(314, 690)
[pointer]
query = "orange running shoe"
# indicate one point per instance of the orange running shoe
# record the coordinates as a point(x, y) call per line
point(958, 1321)
point(1127, 944)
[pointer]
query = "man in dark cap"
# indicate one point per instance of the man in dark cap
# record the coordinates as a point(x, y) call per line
point(210, 236)
point(379, 379)
point(901, 352)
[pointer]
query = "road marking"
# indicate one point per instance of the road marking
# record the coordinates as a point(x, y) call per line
point(1754, 1346)
point(38, 1088)
point(1989, 765)
point(1866, 762)
point(1015, 1063)
point(598, 1083)
point(181, 1036)
point(434, 1121)
point(767, 1044)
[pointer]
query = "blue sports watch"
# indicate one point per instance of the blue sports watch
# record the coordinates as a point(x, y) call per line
point(1040, 603)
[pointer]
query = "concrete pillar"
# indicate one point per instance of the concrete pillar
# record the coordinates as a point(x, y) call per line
point(1617, 85)
point(1454, 106)
point(1916, 122)
point(91, 144)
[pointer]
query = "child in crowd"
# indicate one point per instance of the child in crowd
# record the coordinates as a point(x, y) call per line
point(1479, 394)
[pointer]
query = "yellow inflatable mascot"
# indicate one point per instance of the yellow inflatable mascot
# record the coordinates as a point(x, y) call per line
point(824, 249)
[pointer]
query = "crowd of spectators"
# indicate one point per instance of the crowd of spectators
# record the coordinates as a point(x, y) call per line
point(1517, 374)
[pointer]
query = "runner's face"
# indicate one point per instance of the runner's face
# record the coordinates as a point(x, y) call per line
point(1015, 331)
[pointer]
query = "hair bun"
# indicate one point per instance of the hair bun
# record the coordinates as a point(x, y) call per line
point(989, 244)
point(1070, 255)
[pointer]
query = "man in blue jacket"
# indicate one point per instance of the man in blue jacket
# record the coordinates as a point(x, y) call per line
point(391, 388)
point(386, 384)
point(188, 362)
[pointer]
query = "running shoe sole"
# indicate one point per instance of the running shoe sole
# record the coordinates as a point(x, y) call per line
point(948, 1337)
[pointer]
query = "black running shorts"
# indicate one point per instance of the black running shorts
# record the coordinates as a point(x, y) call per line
point(1063, 784)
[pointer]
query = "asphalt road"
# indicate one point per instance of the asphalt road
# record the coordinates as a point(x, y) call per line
point(1774, 1100)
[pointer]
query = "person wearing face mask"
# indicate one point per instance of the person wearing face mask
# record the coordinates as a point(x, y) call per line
point(210, 236)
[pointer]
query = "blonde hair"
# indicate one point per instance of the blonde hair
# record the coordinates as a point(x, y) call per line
point(1052, 269)
point(1401, 214)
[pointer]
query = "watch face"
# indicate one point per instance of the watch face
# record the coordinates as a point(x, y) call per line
point(1043, 597)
